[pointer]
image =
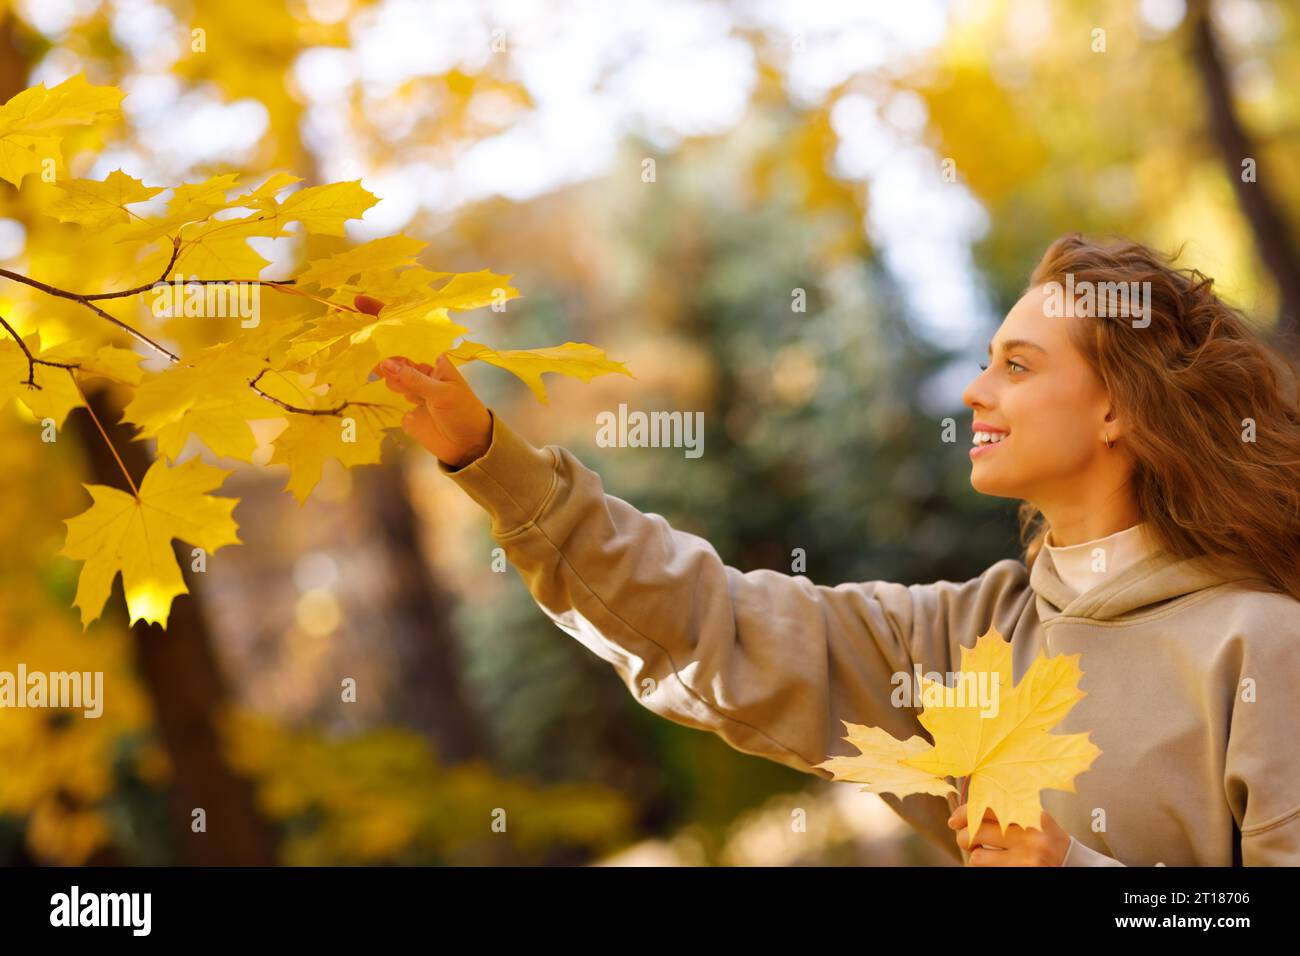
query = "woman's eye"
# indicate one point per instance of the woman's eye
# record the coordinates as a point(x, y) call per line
point(1014, 366)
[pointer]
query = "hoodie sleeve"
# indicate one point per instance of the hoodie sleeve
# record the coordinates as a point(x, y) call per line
point(1262, 765)
point(770, 662)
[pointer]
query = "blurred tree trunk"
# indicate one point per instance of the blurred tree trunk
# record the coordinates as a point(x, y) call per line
point(13, 58)
point(1273, 238)
point(431, 698)
point(180, 671)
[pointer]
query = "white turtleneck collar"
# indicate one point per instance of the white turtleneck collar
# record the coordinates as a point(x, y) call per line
point(1084, 566)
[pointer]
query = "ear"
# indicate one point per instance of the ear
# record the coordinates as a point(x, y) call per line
point(1114, 425)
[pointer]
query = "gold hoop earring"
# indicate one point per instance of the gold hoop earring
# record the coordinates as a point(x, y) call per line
point(1109, 443)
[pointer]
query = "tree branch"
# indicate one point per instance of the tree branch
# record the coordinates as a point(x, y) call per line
point(88, 299)
point(88, 302)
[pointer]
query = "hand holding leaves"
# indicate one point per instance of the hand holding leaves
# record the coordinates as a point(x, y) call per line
point(448, 418)
point(1018, 846)
point(1007, 753)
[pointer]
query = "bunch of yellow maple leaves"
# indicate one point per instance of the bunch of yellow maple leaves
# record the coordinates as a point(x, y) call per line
point(309, 376)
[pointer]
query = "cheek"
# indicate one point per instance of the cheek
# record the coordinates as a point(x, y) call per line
point(1050, 424)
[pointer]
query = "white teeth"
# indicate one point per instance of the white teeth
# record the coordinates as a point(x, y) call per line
point(988, 438)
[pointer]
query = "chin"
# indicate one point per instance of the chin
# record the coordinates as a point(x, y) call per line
point(990, 485)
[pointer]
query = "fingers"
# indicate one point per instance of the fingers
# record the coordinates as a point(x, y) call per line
point(439, 385)
point(411, 380)
point(418, 423)
point(445, 370)
point(987, 856)
point(424, 367)
point(988, 834)
point(1018, 846)
point(958, 818)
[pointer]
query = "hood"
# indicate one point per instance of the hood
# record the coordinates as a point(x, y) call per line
point(1156, 579)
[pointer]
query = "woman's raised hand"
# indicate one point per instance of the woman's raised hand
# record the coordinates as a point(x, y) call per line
point(448, 418)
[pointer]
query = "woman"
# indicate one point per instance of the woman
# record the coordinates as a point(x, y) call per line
point(1158, 461)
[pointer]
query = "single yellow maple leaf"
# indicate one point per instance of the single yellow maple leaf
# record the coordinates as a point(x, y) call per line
point(102, 361)
point(30, 120)
point(473, 290)
point(263, 197)
point(53, 394)
point(324, 209)
point(200, 200)
point(120, 532)
point(219, 249)
point(353, 437)
point(575, 359)
point(213, 247)
point(189, 203)
point(95, 204)
point(384, 255)
point(395, 287)
point(109, 361)
point(881, 765)
point(995, 734)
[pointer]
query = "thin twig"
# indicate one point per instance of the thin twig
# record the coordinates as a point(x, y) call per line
point(32, 360)
point(308, 411)
point(176, 251)
point(307, 295)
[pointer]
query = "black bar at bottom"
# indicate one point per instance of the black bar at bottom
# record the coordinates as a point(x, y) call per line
point(678, 907)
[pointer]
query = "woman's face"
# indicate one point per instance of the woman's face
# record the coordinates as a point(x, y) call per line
point(1040, 396)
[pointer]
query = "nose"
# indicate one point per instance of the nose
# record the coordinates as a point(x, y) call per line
point(976, 393)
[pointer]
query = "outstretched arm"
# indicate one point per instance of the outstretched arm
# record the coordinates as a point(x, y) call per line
point(772, 663)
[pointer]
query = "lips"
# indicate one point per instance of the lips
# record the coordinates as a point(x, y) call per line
point(985, 438)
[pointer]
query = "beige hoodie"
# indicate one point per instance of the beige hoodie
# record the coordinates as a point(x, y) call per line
point(1191, 679)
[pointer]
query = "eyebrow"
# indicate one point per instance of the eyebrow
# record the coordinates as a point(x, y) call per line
point(1010, 344)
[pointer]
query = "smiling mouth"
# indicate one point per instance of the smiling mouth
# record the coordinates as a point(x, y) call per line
point(982, 443)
